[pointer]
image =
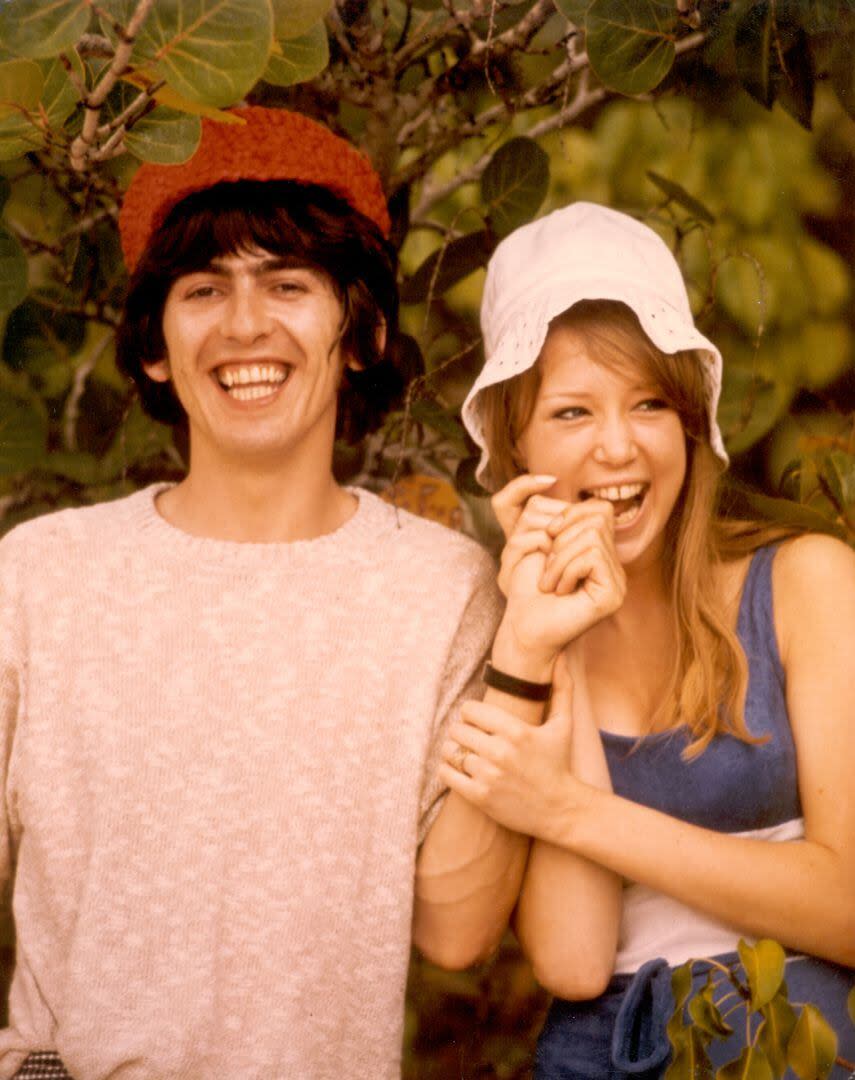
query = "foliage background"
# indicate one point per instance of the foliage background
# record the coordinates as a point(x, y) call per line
point(725, 124)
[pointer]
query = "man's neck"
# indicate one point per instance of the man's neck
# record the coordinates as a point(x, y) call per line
point(252, 505)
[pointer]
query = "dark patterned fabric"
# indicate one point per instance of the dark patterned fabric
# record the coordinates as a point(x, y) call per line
point(42, 1065)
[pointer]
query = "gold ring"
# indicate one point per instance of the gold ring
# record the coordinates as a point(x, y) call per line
point(458, 758)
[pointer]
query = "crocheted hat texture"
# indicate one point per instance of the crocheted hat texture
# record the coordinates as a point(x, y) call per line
point(272, 144)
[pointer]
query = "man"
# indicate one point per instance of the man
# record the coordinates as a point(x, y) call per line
point(223, 701)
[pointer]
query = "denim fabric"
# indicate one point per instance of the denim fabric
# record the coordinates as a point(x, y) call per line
point(621, 1035)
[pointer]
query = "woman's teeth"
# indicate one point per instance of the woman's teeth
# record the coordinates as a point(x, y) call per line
point(251, 381)
point(625, 498)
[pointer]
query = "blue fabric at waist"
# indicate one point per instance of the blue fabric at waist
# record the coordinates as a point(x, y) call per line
point(621, 1034)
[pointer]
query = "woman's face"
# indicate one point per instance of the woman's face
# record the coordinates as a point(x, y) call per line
point(606, 432)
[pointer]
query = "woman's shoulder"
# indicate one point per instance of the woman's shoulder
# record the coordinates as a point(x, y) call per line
point(813, 561)
point(813, 578)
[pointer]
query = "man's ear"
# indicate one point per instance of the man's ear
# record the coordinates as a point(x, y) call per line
point(158, 370)
point(353, 364)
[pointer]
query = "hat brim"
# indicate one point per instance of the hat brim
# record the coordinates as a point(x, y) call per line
point(523, 336)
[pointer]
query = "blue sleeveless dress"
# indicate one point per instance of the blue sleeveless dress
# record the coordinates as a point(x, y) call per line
point(733, 787)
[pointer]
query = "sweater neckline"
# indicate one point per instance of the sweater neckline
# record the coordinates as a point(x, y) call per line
point(372, 514)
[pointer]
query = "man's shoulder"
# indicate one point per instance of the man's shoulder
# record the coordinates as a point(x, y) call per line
point(435, 544)
point(69, 528)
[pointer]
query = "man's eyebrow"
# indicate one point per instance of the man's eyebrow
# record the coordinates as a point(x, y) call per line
point(220, 265)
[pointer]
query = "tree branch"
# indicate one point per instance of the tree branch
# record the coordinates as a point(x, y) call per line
point(81, 149)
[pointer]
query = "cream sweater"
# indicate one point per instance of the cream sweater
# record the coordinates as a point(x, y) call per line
point(218, 760)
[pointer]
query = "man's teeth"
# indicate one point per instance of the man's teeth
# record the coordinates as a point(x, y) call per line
point(252, 381)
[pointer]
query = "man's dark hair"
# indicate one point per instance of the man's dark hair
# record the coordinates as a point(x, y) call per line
point(282, 217)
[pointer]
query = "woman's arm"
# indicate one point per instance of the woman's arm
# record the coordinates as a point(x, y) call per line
point(801, 892)
point(568, 916)
point(469, 870)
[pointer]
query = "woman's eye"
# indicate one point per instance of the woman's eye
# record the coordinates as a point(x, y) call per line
point(652, 405)
point(573, 412)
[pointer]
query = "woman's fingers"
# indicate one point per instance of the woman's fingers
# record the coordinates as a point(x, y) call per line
point(517, 548)
point(509, 502)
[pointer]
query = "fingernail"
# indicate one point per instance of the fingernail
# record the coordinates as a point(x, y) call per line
point(543, 478)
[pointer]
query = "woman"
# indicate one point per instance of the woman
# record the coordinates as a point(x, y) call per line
point(698, 787)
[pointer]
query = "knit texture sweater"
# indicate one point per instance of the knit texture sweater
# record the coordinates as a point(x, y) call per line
point(218, 761)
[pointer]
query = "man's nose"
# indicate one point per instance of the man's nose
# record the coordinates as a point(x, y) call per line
point(245, 315)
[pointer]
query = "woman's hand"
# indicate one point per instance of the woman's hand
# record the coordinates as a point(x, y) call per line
point(562, 576)
point(518, 774)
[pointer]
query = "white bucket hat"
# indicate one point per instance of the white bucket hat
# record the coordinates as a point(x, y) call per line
point(581, 252)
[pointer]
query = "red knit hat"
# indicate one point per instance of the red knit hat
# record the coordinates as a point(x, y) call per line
point(272, 144)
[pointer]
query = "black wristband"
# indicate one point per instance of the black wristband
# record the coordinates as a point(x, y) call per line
point(521, 688)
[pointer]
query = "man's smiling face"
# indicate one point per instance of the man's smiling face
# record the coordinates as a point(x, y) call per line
point(253, 352)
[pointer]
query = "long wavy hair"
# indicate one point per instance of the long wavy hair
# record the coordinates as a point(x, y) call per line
point(709, 676)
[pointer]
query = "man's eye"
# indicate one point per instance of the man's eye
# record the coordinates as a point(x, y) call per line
point(201, 292)
point(289, 286)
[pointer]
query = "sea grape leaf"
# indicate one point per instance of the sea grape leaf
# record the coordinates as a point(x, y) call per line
point(514, 184)
point(23, 436)
point(293, 18)
point(37, 28)
point(164, 136)
point(212, 53)
point(630, 43)
point(13, 272)
point(298, 59)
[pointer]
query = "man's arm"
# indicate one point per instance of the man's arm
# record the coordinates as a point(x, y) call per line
point(470, 869)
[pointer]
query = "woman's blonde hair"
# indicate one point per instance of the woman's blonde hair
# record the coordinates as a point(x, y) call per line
point(709, 676)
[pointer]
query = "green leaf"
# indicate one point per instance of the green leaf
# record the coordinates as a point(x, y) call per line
point(37, 28)
point(464, 477)
point(789, 512)
point(514, 184)
point(678, 194)
point(681, 984)
point(574, 10)
point(764, 966)
point(293, 18)
point(842, 71)
point(164, 136)
point(631, 42)
point(837, 470)
point(60, 96)
point(300, 59)
point(795, 86)
point(23, 436)
point(820, 16)
point(706, 1015)
point(752, 1064)
point(750, 407)
point(690, 1060)
point(754, 41)
point(446, 266)
point(13, 272)
point(813, 1045)
point(427, 411)
point(80, 467)
point(212, 53)
point(774, 1033)
point(21, 85)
